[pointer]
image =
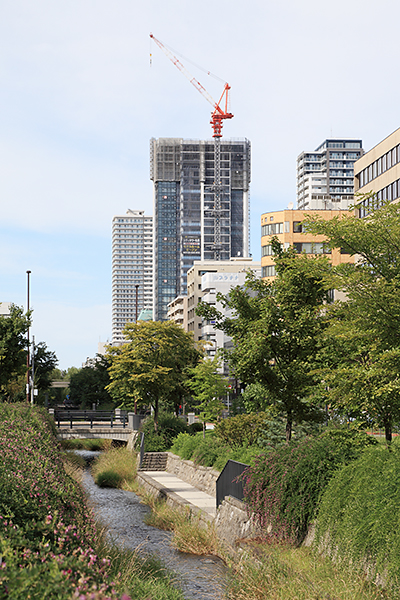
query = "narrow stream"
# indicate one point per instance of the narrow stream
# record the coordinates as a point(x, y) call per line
point(202, 577)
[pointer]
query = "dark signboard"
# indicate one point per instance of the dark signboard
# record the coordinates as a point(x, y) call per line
point(191, 244)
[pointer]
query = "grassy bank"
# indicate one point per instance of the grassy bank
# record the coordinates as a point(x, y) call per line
point(50, 547)
point(94, 445)
point(259, 571)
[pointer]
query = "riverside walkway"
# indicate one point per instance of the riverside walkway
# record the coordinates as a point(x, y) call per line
point(180, 492)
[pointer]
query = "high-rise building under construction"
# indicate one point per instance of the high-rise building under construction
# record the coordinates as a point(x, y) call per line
point(187, 224)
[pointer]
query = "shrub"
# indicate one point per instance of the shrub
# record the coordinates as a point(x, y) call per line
point(109, 479)
point(169, 427)
point(184, 445)
point(283, 488)
point(195, 427)
point(115, 468)
point(358, 517)
point(208, 450)
point(241, 430)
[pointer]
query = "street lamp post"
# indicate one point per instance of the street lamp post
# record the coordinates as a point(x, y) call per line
point(27, 354)
point(137, 289)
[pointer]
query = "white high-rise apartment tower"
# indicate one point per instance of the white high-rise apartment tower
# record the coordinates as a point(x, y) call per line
point(132, 269)
point(325, 177)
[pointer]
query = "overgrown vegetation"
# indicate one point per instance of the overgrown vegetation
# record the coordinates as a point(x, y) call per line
point(189, 535)
point(49, 545)
point(94, 444)
point(211, 451)
point(168, 428)
point(358, 519)
point(280, 572)
point(283, 488)
point(115, 468)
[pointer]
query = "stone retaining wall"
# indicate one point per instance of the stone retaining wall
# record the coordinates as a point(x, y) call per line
point(203, 478)
point(232, 522)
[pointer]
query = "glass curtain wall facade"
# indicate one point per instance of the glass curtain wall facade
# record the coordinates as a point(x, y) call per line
point(182, 172)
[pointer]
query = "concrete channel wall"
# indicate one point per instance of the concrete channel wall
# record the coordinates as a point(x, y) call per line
point(231, 522)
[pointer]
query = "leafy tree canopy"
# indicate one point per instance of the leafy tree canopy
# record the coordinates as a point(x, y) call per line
point(362, 349)
point(88, 385)
point(207, 387)
point(151, 366)
point(276, 329)
point(13, 349)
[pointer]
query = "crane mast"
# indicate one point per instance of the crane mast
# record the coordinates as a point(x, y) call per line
point(219, 114)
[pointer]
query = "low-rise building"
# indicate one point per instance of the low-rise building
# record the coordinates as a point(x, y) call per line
point(195, 292)
point(287, 226)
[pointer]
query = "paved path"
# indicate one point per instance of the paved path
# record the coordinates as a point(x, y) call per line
point(186, 491)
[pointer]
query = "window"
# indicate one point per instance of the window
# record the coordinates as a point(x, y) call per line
point(298, 227)
point(272, 229)
point(268, 271)
point(266, 250)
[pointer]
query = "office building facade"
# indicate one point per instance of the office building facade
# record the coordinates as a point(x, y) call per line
point(325, 177)
point(224, 272)
point(132, 269)
point(287, 226)
point(377, 174)
point(185, 219)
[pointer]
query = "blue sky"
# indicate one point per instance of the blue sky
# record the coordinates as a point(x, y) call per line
point(79, 103)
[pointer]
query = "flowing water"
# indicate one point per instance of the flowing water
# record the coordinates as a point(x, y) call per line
point(202, 577)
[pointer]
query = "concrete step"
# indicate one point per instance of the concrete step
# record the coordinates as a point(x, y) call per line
point(154, 461)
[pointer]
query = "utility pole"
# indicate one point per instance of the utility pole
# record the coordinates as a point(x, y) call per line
point(27, 354)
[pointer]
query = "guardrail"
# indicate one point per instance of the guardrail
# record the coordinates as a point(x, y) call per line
point(77, 418)
point(227, 483)
point(141, 449)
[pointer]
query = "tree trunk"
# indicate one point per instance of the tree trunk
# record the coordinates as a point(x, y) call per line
point(156, 416)
point(288, 429)
point(388, 433)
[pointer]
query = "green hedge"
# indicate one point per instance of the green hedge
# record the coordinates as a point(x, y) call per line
point(283, 488)
point(211, 451)
point(359, 515)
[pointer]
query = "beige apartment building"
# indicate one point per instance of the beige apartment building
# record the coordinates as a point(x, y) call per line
point(177, 311)
point(378, 172)
point(194, 281)
point(287, 226)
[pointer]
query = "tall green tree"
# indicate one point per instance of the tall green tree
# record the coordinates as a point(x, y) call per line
point(208, 387)
point(275, 329)
point(363, 350)
point(44, 362)
point(151, 367)
point(88, 385)
point(13, 351)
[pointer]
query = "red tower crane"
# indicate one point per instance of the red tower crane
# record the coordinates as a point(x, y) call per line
point(219, 114)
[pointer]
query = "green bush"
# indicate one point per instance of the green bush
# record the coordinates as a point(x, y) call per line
point(168, 428)
point(283, 488)
point(241, 430)
point(184, 445)
point(358, 517)
point(208, 450)
point(109, 479)
point(195, 427)
point(211, 451)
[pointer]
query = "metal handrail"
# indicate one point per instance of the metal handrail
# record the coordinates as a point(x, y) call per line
point(88, 416)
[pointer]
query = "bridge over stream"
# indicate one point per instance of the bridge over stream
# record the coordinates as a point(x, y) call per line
point(90, 424)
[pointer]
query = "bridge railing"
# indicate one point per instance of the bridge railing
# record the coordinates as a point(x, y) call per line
point(77, 418)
